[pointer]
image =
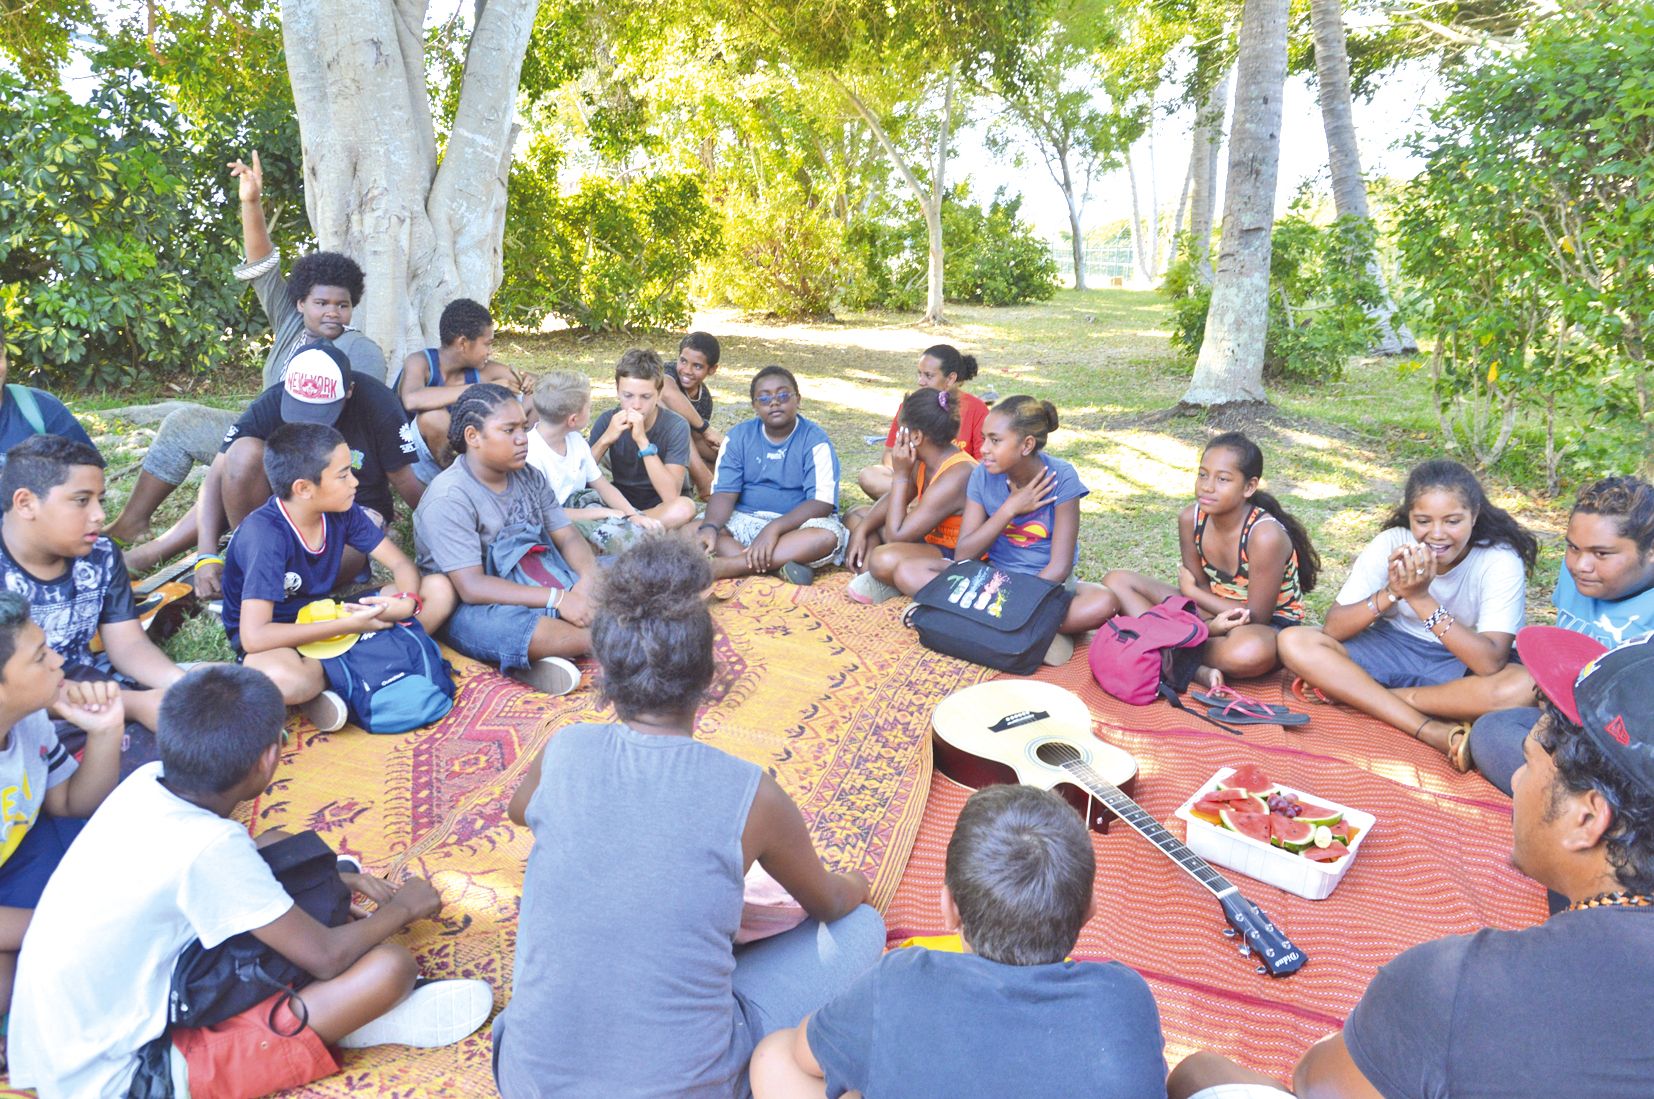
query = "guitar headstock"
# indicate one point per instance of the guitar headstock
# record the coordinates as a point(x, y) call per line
point(1275, 952)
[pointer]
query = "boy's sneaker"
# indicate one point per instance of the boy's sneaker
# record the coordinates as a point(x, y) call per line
point(436, 1013)
point(551, 674)
point(794, 573)
point(869, 589)
point(1062, 647)
point(326, 712)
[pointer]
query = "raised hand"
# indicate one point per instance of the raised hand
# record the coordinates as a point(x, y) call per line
point(903, 453)
point(250, 178)
point(1035, 494)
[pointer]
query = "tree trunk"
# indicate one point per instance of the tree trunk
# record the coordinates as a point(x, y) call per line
point(929, 201)
point(1349, 190)
point(1176, 226)
point(1230, 366)
point(424, 232)
point(1208, 140)
point(1075, 230)
point(1137, 247)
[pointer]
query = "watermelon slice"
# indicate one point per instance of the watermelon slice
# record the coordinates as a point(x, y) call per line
point(1290, 832)
point(1253, 825)
point(1249, 777)
point(1318, 814)
point(1330, 853)
point(1342, 832)
point(1216, 803)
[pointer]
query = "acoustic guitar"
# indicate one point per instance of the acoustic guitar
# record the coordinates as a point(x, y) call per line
point(163, 600)
point(1039, 734)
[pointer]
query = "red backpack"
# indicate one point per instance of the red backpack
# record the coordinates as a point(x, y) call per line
point(1132, 655)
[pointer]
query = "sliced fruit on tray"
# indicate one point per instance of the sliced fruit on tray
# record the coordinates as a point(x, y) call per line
point(1330, 853)
point(1255, 825)
point(1250, 778)
point(1290, 833)
point(1249, 802)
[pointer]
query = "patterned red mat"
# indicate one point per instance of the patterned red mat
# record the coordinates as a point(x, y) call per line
point(1437, 863)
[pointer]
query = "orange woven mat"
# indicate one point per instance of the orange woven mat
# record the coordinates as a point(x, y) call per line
point(1436, 863)
point(832, 697)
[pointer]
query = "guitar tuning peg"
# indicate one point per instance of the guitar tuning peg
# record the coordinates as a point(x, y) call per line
point(1261, 971)
point(1229, 933)
point(1245, 950)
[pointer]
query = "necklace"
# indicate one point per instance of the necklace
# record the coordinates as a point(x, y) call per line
point(1613, 900)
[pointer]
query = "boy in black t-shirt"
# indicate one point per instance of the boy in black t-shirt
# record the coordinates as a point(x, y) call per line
point(318, 388)
point(645, 446)
point(1006, 1014)
point(687, 394)
point(289, 552)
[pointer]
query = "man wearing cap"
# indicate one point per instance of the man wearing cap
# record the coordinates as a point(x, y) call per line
point(320, 388)
point(1564, 1009)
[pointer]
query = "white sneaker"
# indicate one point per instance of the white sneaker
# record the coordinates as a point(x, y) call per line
point(326, 711)
point(436, 1013)
point(869, 589)
point(551, 674)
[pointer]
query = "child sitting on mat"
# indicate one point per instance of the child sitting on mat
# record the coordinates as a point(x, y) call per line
point(163, 863)
point(493, 525)
point(627, 978)
point(918, 519)
point(1605, 591)
point(943, 369)
point(1008, 1016)
point(556, 447)
point(47, 795)
point(645, 445)
point(775, 492)
point(1437, 595)
point(687, 394)
point(1247, 564)
point(288, 552)
point(433, 379)
point(1023, 512)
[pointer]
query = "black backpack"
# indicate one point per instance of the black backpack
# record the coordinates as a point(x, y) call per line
point(989, 616)
point(211, 985)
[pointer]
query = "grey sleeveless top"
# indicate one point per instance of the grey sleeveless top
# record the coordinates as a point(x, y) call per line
point(631, 901)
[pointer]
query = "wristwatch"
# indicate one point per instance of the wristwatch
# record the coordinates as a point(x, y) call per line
point(648, 451)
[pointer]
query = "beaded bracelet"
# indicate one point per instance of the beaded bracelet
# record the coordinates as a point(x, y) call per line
point(1437, 617)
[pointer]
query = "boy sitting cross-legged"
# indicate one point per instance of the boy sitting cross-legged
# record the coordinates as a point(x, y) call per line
point(1008, 1016)
point(645, 446)
point(53, 553)
point(433, 379)
point(287, 554)
point(775, 490)
point(162, 864)
point(46, 794)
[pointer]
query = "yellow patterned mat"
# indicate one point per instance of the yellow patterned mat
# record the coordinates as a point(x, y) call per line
point(834, 698)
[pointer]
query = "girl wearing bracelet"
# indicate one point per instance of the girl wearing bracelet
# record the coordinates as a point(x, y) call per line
point(1437, 595)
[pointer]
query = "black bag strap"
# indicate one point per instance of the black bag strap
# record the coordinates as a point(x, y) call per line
point(1171, 696)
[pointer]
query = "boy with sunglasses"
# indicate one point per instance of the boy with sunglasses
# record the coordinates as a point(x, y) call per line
point(774, 503)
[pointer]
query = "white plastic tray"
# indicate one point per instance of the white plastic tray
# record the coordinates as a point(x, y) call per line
point(1266, 862)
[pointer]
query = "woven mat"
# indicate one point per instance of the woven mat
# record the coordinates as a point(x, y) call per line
point(1436, 863)
point(832, 697)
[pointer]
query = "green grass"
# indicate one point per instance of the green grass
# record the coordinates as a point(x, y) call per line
point(1337, 453)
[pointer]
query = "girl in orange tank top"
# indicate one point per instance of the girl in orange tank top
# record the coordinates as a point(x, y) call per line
point(919, 517)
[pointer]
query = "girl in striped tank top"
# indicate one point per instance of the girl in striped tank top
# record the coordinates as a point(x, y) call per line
point(918, 519)
point(1246, 564)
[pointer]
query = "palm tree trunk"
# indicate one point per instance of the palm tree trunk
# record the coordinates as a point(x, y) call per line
point(1230, 366)
point(1349, 190)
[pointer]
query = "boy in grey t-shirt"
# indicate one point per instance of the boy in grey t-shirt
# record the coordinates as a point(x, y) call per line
point(645, 445)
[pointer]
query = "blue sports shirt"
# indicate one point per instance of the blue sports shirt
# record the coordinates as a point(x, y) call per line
point(267, 559)
point(776, 477)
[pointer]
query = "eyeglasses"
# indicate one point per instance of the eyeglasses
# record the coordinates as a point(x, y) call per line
point(780, 396)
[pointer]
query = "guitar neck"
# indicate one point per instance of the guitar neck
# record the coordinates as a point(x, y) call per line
point(1150, 829)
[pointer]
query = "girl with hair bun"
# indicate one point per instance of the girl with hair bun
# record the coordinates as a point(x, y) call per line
point(943, 369)
point(628, 980)
point(1022, 513)
point(1437, 596)
point(918, 519)
point(1246, 564)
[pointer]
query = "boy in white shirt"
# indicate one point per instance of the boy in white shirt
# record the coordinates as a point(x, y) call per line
point(45, 796)
point(162, 864)
point(557, 448)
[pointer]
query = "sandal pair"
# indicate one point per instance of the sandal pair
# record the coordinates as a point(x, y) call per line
point(1227, 704)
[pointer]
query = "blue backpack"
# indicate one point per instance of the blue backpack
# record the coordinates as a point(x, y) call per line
point(393, 680)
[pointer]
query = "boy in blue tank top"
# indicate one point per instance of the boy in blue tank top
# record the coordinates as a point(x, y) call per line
point(287, 554)
point(1005, 1013)
point(433, 379)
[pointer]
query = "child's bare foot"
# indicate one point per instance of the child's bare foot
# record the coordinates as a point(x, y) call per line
point(1210, 678)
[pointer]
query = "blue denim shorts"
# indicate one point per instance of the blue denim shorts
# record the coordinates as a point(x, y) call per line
point(1396, 658)
point(493, 633)
point(23, 876)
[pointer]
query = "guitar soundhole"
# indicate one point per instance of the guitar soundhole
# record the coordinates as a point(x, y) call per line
point(1054, 753)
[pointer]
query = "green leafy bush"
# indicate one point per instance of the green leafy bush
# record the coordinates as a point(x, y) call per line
point(113, 268)
point(990, 256)
point(1319, 292)
point(782, 256)
point(610, 256)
